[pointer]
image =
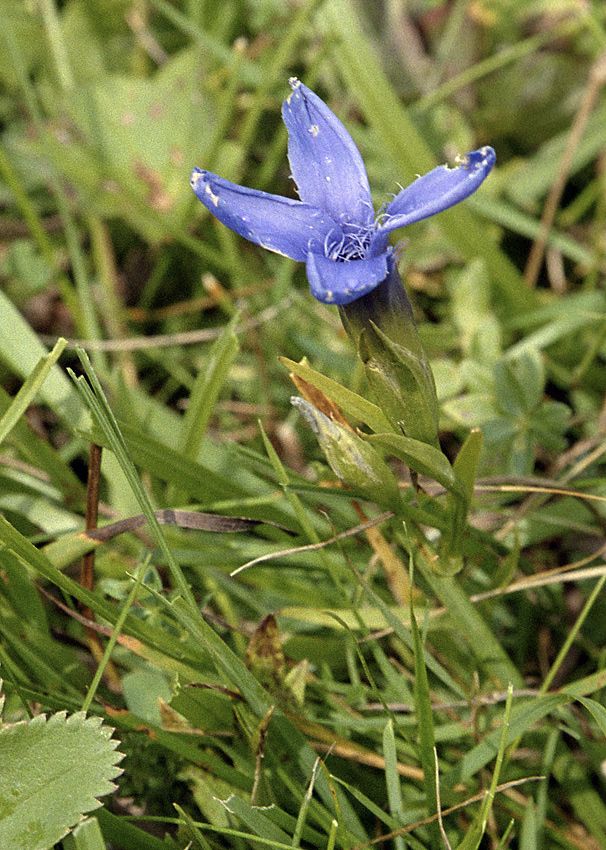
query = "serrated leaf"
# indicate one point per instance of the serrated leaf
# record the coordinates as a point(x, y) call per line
point(53, 771)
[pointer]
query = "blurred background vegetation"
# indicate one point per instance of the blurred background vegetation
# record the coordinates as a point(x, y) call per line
point(105, 108)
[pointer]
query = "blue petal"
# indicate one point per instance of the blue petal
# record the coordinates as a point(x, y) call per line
point(325, 163)
point(440, 189)
point(334, 282)
point(283, 225)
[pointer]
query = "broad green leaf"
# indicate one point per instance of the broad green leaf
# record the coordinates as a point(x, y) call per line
point(479, 329)
point(53, 771)
point(519, 382)
point(471, 410)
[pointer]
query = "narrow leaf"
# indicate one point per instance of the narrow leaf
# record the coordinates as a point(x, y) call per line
point(420, 457)
point(427, 738)
point(29, 390)
point(353, 404)
point(392, 778)
point(206, 391)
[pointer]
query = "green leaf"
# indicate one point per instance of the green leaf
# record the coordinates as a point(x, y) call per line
point(206, 391)
point(466, 463)
point(21, 350)
point(40, 453)
point(29, 390)
point(479, 329)
point(466, 470)
point(472, 410)
point(350, 403)
point(86, 836)
point(256, 820)
point(523, 717)
point(53, 771)
point(474, 836)
point(95, 398)
point(284, 734)
point(169, 465)
point(123, 834)
point(469, 622)
point(597, 711)
point(192, 829)
point(421, 458)
point(425, 725)
point(520, 382)
point(392, 778)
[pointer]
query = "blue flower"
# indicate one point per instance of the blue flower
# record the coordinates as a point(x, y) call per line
point(333, 229)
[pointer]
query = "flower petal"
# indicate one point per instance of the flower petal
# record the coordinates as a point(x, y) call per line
point(283, 225)
point(440, 189)
point(334, 282)
point(325, 163)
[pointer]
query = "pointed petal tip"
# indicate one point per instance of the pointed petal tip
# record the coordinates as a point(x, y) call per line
point(197, 176)
point(483, 158)
point(324, 160)
point(439, 189)
point(201, 181)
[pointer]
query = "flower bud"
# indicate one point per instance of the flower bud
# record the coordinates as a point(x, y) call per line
point(351, 458)
point(383, 329)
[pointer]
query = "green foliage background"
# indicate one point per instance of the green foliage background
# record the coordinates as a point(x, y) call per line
point(105, 107)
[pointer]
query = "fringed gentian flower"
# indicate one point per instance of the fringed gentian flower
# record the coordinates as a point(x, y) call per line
point(333, 229)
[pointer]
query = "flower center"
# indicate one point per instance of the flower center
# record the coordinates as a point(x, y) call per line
point(351, 243)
